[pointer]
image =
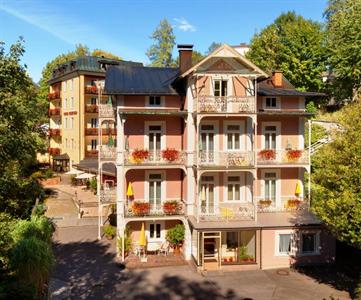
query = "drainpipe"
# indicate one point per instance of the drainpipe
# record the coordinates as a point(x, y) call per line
point(260, 250)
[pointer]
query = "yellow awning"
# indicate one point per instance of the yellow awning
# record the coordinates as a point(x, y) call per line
point(142, 238)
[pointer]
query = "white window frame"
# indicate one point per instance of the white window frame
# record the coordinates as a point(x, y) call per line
point(278, 103)
point(65, 122)
point(162, 231)
point(162, 185)
point(277, 242)
point(72, 103)
point(278, 134)
point(215, 125)
point(317, 243)
point(162, 124)
point(215, 190)
point(242, 135)
point(148, 105)
point(221, 78)
point(242, 191)
point(71, 122)
point(278, 184)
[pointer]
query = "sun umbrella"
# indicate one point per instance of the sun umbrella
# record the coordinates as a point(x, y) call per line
point(203, 194)
point(110, 141)
point(74, 172)
point(142, 239)
point(298, 189)
point(130, 192)
point(85, 176)
point(110, 100)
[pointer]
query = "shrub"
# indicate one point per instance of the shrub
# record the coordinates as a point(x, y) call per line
point(32, 260)
point(48, 173)
point(37, 175)
point(39, 227)
point(109, 231)
point(175, 235)
point(311, 107)
point(93, 184)
point(127, 242)
point(39, 210)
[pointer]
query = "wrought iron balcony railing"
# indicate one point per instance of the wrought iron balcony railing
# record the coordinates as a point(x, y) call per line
point(228, 159)
point(281, 204)
point(161, 157)
point(227, 212)
point(226, 104)
point(137, 208)
point(289, 156)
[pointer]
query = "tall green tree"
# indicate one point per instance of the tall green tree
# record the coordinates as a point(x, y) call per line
point(106, 54)
point(160, 53)
point(295, 46)
point(344, 46)
point(213, 47)
point(336, 193)
point(20, 137)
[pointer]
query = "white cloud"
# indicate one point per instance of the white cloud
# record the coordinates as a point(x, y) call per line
point(184, 25)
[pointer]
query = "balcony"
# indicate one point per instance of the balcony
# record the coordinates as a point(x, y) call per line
point(227, 212)
point(91, 108)
point(108, 153)
point(54, 96)
point(281, 204)
point(138, 208)
point(226, 159)
point(279, 157)
point(91, 153)
point(227, 104)
point(91, 89)
point(108, 195)
point(164, 157)
point(54, 111)
point(54, 132)
point(105, 131)
point(54, 151)
point(106, 111)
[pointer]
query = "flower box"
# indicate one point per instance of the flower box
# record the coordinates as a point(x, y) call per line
point(267, 154)
point(139, 155)
point(91, 89)
point(293, 203)
point(172, 207)
point(93, 108)
point(265, 203)
point(140, 208)
point(293, 155)
point(170, 154)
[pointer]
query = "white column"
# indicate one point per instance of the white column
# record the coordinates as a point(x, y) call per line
point(187, 241)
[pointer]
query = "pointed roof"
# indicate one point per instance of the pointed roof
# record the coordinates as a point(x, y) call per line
point(227, 51)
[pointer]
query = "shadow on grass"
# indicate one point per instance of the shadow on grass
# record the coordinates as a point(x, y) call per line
point(91, 271)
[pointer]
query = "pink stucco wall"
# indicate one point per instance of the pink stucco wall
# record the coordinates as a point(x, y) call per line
point(170, 102)
point(287, 103)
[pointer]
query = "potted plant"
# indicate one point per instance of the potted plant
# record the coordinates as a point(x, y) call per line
point(140, 208)
point(127, 242)
point(109, 231)
point(139, 155)
point(170, 154)
point(265, 203)
point(243, 256)
point(267, 154)
point(171, 207)
point(293, 155)
point(175, 236)
point(293, 203)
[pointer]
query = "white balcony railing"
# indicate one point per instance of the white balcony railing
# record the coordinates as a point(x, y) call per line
point(227, 211)
point(227, 159)
point(281, 204)
point(137, 208)
point(107, 152)
point(159, 157)
point(269, 156)
point(226, 104)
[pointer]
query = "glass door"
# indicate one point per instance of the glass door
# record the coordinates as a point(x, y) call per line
point(207, 195)
point(155, 191)
point(207, 144)
point(155, 135)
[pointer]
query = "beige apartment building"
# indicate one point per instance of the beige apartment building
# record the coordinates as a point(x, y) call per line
point(73, 110)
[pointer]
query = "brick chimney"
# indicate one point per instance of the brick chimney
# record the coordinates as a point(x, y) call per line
point(277, 78)
point(185, 57)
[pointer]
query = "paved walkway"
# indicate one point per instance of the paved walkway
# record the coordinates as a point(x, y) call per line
point(88, 269)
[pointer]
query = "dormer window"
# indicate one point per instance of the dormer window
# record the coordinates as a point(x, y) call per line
point(271, 103)
point(220, 88)
point(155, 101)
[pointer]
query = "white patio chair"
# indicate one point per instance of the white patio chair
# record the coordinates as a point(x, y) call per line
point(164, 248)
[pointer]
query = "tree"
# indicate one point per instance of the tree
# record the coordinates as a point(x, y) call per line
point(213, 47)
point(337, 179)
point(160, 53)
point(106, 54)
point(294, 46)
point(20, 137)
point(344, 46)
point(197, 57)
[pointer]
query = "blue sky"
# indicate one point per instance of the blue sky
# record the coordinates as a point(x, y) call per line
point(124, 27)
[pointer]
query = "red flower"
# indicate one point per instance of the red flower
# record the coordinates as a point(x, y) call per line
point(294, 154)
point(267, 154)
point(170, 154)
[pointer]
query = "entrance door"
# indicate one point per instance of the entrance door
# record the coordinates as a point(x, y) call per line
point(211, 250)
point(207, 195)
point(154, 146)
point(207, 143)
point(155, 235)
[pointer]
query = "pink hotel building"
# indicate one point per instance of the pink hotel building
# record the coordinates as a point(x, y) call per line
point(219, 147)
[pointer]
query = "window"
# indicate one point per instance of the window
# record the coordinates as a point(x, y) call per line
point(270, 186)
point(234, 188)
point(154, 100)
point(66, 143)
point(65, 123)
point(220, 88)
point(65, 103)
point(155, 190)
point(271, 102)
point(72, 103)
point(270, 134)
point(309, 243)
point(71, 122)
point(94, 144)
point(72, 144)
point(284, 243)
point(154, 231)
point(94, 122)
point(233, 137)
point(93, 101)
point(250, 88)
